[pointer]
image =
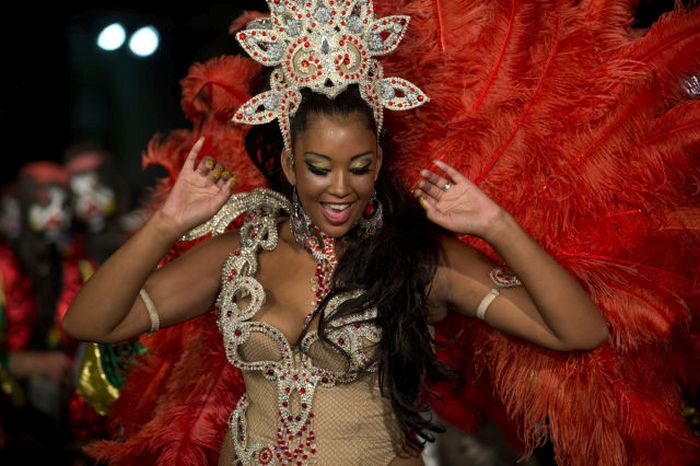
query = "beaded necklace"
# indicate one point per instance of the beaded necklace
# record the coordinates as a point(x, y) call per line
point(322, 248)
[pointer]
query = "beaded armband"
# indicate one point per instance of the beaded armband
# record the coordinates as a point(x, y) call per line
point(502, 278)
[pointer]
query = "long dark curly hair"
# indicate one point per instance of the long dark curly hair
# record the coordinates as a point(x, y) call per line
point(394, 267)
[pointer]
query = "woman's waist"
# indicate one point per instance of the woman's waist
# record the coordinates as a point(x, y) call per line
point(353, 409)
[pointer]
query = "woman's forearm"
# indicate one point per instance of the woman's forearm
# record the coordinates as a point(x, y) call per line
point(109, 294)
point(563, 304)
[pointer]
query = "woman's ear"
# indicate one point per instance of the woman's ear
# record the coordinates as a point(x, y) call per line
point(380, 159)
point(287, 162)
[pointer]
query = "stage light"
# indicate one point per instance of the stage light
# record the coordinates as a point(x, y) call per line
point(112, 37)
point(144, 41)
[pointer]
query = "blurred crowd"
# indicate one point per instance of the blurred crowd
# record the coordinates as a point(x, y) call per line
point(58, 222)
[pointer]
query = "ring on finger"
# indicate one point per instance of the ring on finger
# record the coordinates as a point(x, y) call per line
point(447, 186)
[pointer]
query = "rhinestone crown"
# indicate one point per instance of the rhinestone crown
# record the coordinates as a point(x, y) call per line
point(324, 45)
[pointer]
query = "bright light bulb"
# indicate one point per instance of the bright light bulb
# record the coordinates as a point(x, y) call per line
point(144, 41)
point(112, 37)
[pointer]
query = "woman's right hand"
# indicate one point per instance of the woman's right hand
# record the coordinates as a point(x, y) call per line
point(199, 192)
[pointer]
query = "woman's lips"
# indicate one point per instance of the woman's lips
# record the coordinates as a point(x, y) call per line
point(335, 216)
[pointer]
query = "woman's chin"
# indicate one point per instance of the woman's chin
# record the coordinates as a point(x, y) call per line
point(336, 231)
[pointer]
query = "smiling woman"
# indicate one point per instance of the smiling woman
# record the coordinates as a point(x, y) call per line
point(327, 299)
point(341, 160)
point(334, 164)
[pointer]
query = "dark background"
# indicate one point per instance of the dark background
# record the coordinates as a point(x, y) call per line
point(57, 87)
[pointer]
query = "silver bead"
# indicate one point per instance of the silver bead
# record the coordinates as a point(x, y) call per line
point(322, 15)
point(375, 42)
point(355, 24)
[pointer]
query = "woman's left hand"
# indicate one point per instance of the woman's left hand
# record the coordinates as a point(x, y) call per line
point(455, 203)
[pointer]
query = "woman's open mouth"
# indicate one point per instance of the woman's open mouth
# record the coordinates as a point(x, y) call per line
point(337, 213)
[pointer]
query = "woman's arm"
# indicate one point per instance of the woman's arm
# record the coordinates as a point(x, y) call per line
point(550, 309)
point(109, 309)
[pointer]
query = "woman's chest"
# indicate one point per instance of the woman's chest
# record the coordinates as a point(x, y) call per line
point(289, 286)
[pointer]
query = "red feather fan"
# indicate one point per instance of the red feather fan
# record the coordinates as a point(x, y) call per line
point(584, 134)
point(578, 126)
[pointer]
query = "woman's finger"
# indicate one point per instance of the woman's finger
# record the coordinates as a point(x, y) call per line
point(225, 189)
point(456, 176)
point(225, 176)
point(430, 189)
point(205, 166)
point(434, 178)
point(194, 152)
point(216, 172)
point(431, 210)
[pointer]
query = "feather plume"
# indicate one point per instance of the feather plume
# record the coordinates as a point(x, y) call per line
point(580, 129)
point(218, 87)
point(188, 417)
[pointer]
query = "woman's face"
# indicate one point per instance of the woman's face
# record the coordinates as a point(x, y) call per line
point(336, 163)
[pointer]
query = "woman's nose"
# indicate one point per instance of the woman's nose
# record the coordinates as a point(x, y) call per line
point(339, 184)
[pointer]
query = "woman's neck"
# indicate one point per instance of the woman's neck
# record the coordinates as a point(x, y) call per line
point(286, 234)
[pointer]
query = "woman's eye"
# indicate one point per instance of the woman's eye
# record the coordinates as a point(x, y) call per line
point(317, 170)
point(360, 170)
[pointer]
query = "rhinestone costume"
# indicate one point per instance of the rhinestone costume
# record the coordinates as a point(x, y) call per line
point(276, 422)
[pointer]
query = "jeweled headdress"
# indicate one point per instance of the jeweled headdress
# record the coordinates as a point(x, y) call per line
point(324, 45)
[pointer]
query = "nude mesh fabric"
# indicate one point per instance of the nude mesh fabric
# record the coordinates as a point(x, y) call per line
point(353, 423)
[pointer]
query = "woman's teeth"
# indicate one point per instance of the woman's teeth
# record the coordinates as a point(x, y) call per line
point(338, 207)
point(337, 213)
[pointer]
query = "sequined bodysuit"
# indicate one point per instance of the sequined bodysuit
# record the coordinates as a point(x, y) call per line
point(305, 404)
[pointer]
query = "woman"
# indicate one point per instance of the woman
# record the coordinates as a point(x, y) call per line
point(561, 113)
point(335, 168)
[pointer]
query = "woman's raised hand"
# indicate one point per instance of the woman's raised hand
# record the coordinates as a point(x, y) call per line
point(455, 203)
point(199, 192)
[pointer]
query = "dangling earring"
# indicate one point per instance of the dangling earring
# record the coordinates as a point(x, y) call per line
point(299, 221)
point(321, 246)
point(372, 217)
